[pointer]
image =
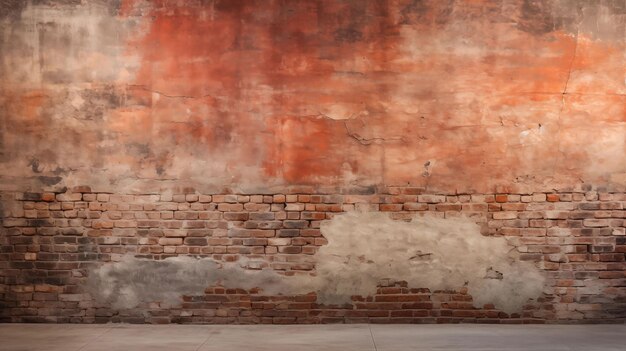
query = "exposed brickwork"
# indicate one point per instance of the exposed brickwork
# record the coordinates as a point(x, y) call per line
point(50, 240)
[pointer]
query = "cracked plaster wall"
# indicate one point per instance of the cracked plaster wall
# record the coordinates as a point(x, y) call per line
point(251, 95)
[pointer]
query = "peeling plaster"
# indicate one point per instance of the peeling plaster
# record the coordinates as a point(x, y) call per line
point(131, 281)
point(435, 253)
point(364, 249)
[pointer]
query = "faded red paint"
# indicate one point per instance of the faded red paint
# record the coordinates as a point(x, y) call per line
point(301, 149)
point(464, 95)
point(298, 52)
point(25, 110)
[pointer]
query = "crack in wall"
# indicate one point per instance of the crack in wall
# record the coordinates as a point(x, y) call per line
point(160, 93)
point(563, 94)
point(368, 141)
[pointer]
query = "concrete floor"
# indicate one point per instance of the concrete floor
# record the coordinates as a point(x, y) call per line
point(50, 337)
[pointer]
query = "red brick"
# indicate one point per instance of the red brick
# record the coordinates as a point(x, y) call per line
point(501, 198)
point(552, 197)
point(390, 207)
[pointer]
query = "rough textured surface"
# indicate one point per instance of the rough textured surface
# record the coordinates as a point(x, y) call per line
point(439, 254)
point(57, 246)
point(232, 133)
point(129, 282)
point(516, 95)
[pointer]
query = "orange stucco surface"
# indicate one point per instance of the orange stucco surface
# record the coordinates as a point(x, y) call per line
point(466, 96)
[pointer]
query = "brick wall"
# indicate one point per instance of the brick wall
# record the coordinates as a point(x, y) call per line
point(50, 241)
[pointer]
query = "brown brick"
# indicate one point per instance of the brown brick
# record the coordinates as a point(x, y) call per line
point(204, 198)
point(595, 223)
point(612, 257)
point(294, 207)
point(255, 242)
point(289, 224)
point(170, 241)
point(415, 206)
point(262, 216)
point(81, 189)
point(290, 249)
point(178, 198)
point(313, 215)
point(257, 207)
point(448, 207)
point(69, 197)
point(589, 206)
point(191, 197)
point(304, 198)
point(277, 207)
point(195, 241)
point(513, 207)
point(230, 207)
point(236, 216)
point(431, 198)
point(288, 233)
point(533, 231)
point(611, 206)
point(505, 215)
point(556, 214)
point(581, 214)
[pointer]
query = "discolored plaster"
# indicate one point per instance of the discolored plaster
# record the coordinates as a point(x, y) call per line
point(258, 95)
point(363, 250)
point(131, 281)
point(438, 254)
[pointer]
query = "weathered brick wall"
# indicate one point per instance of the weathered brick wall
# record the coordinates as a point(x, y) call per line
point(509, 112)
point(50, 241)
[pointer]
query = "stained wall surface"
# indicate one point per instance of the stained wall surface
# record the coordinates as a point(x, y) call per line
point(139, 129)
point(450, 95)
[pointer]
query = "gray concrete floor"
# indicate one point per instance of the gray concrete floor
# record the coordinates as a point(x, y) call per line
point(69, 337)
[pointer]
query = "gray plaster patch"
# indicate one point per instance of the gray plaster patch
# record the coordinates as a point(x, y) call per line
point(363, 250)
point(429, 252)
point(127, 283)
